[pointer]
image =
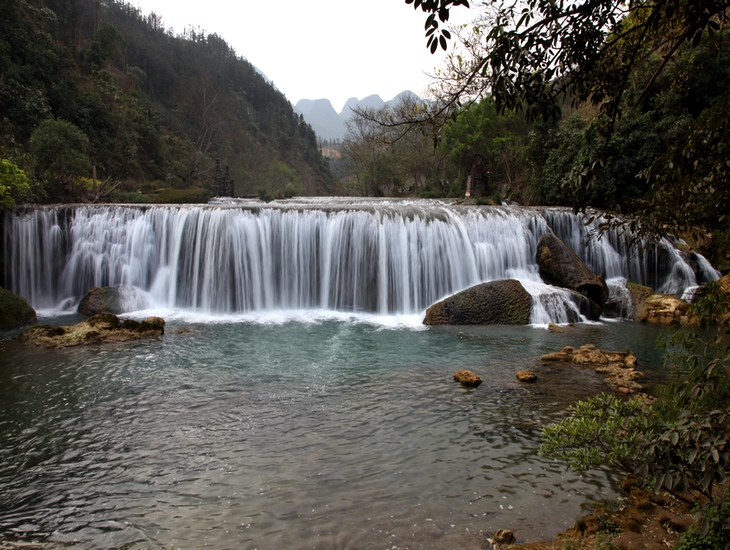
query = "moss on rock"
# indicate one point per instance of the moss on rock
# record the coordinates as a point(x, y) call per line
point(103, 327)
point(495, 303)
point(14, 310)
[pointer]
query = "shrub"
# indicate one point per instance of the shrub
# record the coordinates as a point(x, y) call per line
point(190, 195)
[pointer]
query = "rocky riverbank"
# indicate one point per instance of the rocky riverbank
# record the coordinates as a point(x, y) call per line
point(101, 328)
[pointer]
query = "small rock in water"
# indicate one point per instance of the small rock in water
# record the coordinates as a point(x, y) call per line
point(526, 376)
point(467, 378)
point(502, 536)
point(552, 327)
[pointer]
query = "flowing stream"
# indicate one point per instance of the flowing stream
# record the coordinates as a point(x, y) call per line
point(296, 400)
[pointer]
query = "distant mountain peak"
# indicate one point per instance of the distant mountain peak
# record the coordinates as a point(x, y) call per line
point(327, 124)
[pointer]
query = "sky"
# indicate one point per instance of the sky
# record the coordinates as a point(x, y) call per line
point(314, 49)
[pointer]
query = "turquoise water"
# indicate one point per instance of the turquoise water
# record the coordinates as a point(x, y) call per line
point(306, 433)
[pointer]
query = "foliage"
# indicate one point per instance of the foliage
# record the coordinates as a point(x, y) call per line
point(153, 106)
point(713, 529)
point(60, 152)
point(384, 158)
point(14, 184)
point(649, 81)
point(499, 139)
point(533, 53)
point(681, 442)
point(190, 195)
point(602, 431)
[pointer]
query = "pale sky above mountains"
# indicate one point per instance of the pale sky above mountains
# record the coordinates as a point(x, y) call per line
point(314, 49)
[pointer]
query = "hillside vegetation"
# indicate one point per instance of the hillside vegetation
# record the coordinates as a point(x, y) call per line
point(96, 88)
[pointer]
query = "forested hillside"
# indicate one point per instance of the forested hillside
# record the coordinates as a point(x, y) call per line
point(95, 87)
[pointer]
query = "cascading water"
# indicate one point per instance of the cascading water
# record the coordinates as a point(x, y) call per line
point(376, 256)
point(340, 431)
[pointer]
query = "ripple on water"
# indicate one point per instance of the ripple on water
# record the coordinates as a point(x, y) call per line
point(319, 435)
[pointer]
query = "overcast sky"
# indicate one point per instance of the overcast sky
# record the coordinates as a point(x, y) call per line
point(334, 49)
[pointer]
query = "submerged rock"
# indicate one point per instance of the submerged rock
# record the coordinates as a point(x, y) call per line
point(562, 267)
point(467, 378)
point(619, 366)
point(104, 327)
point(503, 302)
point(14, 310)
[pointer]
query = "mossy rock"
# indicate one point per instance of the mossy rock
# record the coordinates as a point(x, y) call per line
point(100, 300)
point(14, 310)
point(503, 302)
point(560, 266)
point(104, 327)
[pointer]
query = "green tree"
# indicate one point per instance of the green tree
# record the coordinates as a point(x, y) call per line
point(623, 59)
point(108, 44)
point(14, 184)
point(501, 139)
point(61, 154)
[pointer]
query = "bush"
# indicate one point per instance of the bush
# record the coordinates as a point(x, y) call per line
point(14, 184)
point(681, 442)
point(191, 195)
point(603, 431)
point(711, 531)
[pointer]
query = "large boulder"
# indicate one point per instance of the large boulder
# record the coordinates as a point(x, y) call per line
point(560, 266)
point(111, 299)
point(503, 302)
point(104, 327)
point(14, 310)
point(101, 300)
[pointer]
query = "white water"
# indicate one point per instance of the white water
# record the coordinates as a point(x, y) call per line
point(377, 258)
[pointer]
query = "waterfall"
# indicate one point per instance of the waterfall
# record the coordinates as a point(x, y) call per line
point(379, 256)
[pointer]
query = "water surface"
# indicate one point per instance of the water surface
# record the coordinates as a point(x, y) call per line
point(313, 433)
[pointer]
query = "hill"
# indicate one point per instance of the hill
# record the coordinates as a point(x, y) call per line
point(150, 109)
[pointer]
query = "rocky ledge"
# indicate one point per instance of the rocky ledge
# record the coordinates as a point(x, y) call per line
point(104, 327)
point(619, 366)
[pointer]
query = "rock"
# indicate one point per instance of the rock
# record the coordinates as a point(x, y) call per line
point(552, 327)
point(618, 366)
point(526, 376)
point(562, 267)
point(639, 294)
point(14, 310)
point(100, 300)
point(565, 355)
point(663, 309)
point(503, 302)
point(502, 536)
point(589, 354)
point(104, 327)
point(467, 378)
point(112, 299)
